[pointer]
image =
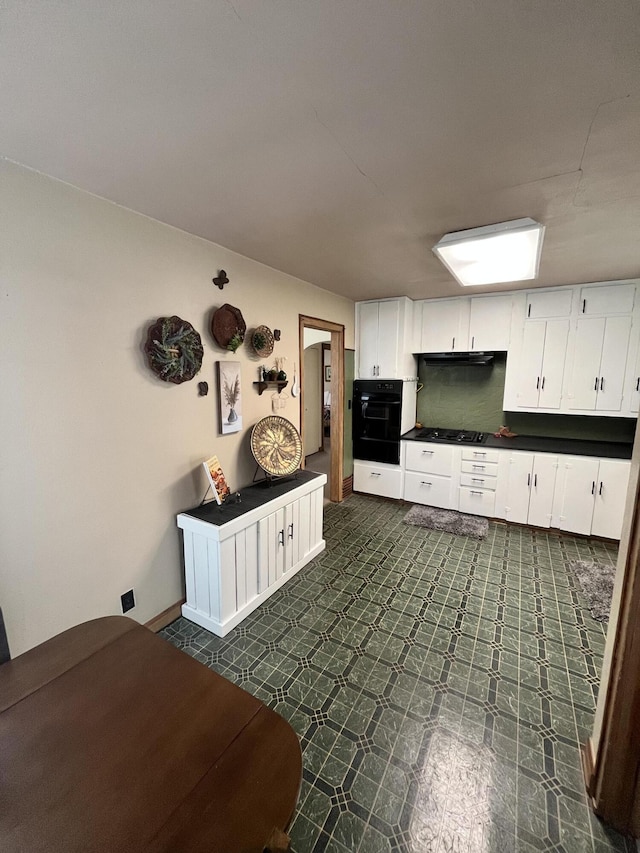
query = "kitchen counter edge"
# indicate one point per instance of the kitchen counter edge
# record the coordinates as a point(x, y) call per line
point(542, 444)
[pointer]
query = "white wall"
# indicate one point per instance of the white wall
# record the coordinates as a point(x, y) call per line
point(97, 455)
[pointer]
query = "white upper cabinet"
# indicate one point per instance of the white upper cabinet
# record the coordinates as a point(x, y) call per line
point(607, 299)
point(445, 325)
point(465, 324)
point(534, 376)
point(490, 322)
point(546, 304)
point(383, 331)
point(599, 356)
point(574, 349)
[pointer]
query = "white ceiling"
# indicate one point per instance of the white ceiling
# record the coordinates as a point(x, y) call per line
point(337, 140)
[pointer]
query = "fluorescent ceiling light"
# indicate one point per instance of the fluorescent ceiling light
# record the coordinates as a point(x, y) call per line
point(508, 251)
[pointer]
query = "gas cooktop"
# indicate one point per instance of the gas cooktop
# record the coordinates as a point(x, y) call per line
point(463, 436)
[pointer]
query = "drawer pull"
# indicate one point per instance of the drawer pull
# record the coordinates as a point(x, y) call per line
point(425, 483)
point(474, 492)
point(478, 479)
point(479, 452)
point(479, 467)
point(431, 451)
point(376, 474)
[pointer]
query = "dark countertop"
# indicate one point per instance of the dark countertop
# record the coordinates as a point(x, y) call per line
point(252, 497)
point(544, 444)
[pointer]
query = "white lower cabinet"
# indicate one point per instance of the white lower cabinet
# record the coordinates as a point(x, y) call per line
point(377, 478)
point(477, 501)
point(591, 495)
point(232, 566)
point(429, 470)
point(530, 486)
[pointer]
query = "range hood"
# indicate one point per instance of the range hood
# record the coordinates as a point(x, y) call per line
point(480, 359)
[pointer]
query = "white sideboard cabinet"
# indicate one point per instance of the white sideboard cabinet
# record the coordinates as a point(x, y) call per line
point(238, 554)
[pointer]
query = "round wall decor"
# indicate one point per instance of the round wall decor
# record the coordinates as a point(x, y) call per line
point(174, 349)
point(262, 341)
point(228, 323)
point(276, 446)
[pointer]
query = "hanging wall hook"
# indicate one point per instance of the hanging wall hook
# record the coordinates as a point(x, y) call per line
point(221, 279)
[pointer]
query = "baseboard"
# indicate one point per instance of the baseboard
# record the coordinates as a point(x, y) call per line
point(347, 487)
point(588, 768)
point(165, 618)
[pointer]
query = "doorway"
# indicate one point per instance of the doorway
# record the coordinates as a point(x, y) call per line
point(321, 347)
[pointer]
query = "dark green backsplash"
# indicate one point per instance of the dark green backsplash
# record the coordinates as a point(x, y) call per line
point(471, 398)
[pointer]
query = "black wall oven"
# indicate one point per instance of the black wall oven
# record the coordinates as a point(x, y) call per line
point(377, 418)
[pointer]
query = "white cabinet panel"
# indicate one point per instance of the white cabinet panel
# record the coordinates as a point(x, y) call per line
point(445, 325)
point(429, 458)
point(543, 482)
point(530, 366)
point(518, 487)
point(610, 497)
point(607, 299)
point(477, 501)
point(429, 489)
point(388, 339)
point(553, 358)
point(544, 304)
point(587, 352)
point(578, 492)
point(490, 322)
point(377, 479)
point(613, 364)
point(367, 339)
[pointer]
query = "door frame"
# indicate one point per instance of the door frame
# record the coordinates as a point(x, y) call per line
point(337, 395)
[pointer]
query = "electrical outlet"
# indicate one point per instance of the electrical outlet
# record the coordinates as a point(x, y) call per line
point(128, 601)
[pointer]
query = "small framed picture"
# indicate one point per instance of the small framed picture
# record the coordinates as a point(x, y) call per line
point(327, 373)
point(229, 396)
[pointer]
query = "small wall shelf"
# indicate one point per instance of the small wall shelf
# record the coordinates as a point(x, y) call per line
point(275, 383)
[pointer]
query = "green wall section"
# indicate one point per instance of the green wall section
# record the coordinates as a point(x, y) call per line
point(349, 376)
point(463, 397)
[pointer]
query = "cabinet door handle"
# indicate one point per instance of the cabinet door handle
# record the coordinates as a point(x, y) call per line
point(638, 384)
point(453, 343)
point(602, 383)
point(473, 341)
point(542, 386)
point(535, 481)
point(281, 537)
point(584, 305)
point(529, 480)
point(529, 310)
point(538, 384)
point(425, 483)
point(291, 530)
point(595, 387)
point(593, 487)
point(600, 489)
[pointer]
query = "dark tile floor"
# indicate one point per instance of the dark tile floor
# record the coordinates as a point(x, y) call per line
point(440, 686)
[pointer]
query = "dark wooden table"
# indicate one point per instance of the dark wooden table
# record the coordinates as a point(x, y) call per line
point(113, 740)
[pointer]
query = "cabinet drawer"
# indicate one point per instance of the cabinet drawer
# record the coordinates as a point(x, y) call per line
point(430, 489)
point(430, 458)
point(479, 468)
point(477, 501)
point(373, 479)
point(479, 481)
point(474, 455)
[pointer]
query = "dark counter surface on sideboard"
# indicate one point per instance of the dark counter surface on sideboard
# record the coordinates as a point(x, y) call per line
point(544, 444)
point(251, 497)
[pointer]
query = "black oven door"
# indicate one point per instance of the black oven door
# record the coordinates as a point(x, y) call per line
point(376, 421)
